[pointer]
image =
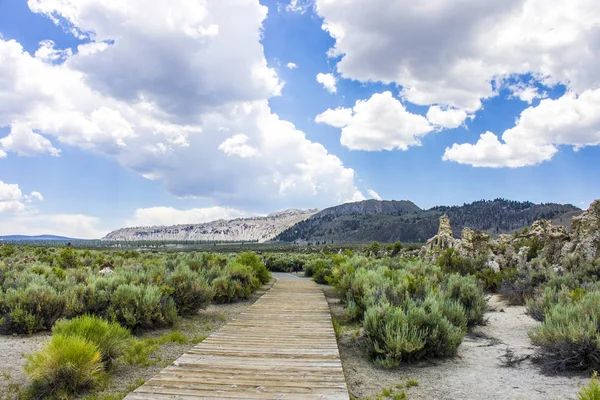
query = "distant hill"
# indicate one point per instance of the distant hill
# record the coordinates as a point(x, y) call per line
point(389, 221)
point(22, 238)
point(256, 229)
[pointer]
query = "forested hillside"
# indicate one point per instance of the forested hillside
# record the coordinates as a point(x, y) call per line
point(389, 221)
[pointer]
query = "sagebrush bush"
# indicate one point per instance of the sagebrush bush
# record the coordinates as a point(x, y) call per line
point(469, 294)
point(395, 334)
point(66, 365)
point(254, 262)
point(191, 291)
point(109, 337)
point(31, 309)
point(137, 306)
point(569, 337)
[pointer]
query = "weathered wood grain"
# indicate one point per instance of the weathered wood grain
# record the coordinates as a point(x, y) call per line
point(283, 347)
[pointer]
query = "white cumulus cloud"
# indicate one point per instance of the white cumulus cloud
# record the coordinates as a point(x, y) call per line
point(569, 120)
point(292, 65)
point(374, 194)
point(164, 87)
point(454, 54)
point(328, 81)
point(12, 199)
point(23, 141)
point(237, 145)
point(379, 123)
point(448, 118)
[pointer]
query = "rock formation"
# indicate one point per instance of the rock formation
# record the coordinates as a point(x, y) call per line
point(585, 238)
point(440, 242)
point(516, 250)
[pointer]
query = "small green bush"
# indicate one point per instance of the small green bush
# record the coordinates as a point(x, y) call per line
point(109, 337)
point(591, 391)
point(137, 306)
point(68, 258)
point(254, 262)
point(191, 291)
point(395, 334)
point(569, 337)
point(66, 365)
point(31, 309)
point(469, 294)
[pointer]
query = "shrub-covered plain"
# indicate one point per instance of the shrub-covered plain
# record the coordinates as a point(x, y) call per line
point(138, 290)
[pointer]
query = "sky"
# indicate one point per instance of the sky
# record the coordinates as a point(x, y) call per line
point(158, 112)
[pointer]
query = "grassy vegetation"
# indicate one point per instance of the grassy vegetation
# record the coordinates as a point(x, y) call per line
point(591, 391)
point(139, 290)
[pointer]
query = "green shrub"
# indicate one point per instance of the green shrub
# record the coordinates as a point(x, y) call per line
point(32, 309)
point(569, 337)
point(395, 334)
point(224, 289)
point(137, 306)
point(191, 291)
point(254, 262)
point(109, 337)
point(66, 365)
point(469, 294)
point(68, 258)
point(591, 391)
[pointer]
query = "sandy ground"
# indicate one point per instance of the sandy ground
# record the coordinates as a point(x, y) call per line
point(477, 372)
point(12, 352)
point(124, 377)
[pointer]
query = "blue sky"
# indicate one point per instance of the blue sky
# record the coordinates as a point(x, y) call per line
point(188, 119)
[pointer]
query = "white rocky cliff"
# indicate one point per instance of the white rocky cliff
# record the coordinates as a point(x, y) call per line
point(259, 229)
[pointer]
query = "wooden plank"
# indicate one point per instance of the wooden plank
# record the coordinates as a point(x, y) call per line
point(283, 347)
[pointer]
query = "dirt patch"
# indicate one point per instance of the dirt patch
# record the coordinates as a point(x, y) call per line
point(493, 362)
point(125, 377)
point(12, 358)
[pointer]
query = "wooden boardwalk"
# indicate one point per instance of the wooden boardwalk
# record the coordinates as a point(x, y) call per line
point(283, 347)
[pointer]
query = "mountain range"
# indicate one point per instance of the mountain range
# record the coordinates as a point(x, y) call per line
point(23, 238)
point(366, 221)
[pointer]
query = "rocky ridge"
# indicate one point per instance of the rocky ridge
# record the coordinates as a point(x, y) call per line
point(255, 229)
point(543, 238)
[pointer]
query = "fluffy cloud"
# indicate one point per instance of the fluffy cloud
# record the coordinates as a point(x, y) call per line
point(292, 65)
point(570, 120)
point(23, 141)
point(452, 52)
point(12, 199)
point(328, 81)
point(237, 146)
point(374, 194)
point(379, 123)
point(448, 118)
point(298, 6)
point(176, 91)
point(184, 56)
point(526, 93)
point(457, 53)
point(156, 216)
